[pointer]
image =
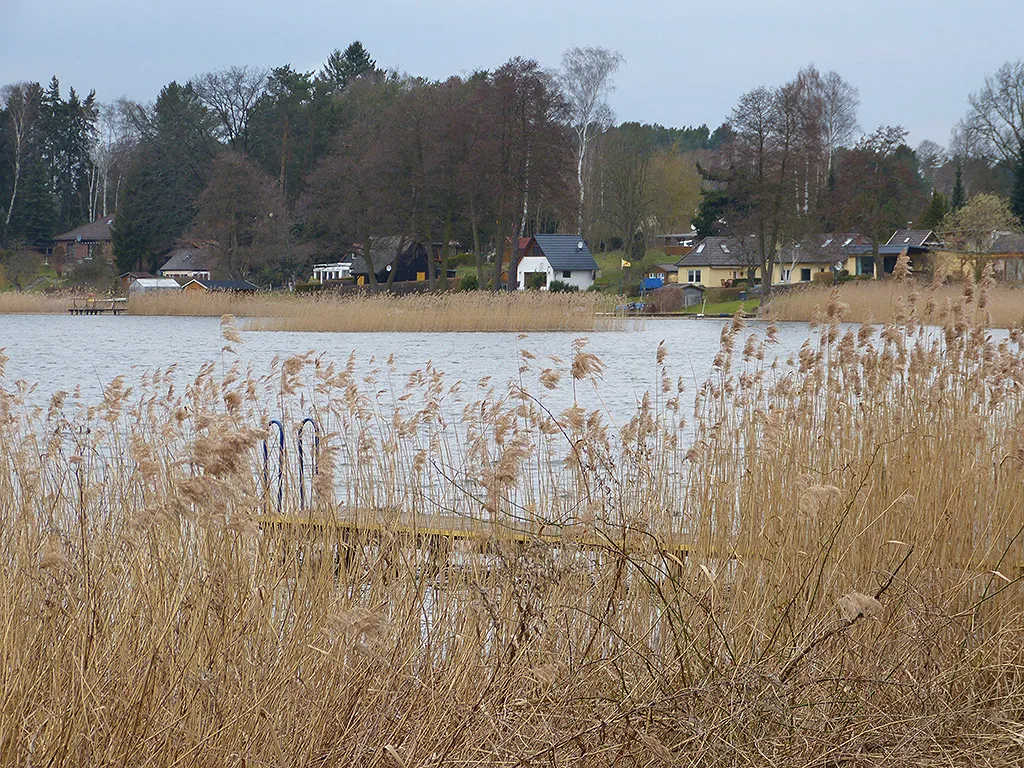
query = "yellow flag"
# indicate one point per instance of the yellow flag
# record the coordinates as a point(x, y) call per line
point(626, 264)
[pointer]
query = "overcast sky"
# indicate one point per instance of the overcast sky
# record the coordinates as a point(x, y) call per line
point(914, 61)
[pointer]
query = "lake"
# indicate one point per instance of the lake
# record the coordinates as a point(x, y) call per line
point(60, 352)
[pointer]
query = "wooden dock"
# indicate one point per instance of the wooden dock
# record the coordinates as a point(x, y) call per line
point(98, 306)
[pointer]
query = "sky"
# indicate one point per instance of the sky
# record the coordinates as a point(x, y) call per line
point(686, 63)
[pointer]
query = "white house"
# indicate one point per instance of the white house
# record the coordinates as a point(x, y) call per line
point(548, 258)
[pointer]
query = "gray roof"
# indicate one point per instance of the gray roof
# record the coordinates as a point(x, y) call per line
point(189, 258)
point(224, 285)
point(914, 238)
point(722, 252)
point(1008, 242)
point(93, 232)
point(824, 248)
point(566, 252)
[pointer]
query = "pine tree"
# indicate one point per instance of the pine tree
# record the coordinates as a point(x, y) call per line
point(959, 198)
point(340, 68)
point(935, 212)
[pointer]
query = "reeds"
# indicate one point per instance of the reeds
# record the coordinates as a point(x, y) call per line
point(475, 311)
point(891, 301)
point(33, 303)
point(805, 562)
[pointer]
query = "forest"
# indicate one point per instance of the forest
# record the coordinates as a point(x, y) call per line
point(277, 169)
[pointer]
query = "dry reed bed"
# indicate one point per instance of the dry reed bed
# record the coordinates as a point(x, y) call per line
point(475, 311)
point(851, 592)
point(894, 301)
point(33, 303)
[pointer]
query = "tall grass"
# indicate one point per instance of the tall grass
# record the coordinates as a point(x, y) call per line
point(475, 311)
point(33, 303)
point(894, 301)
point(827, 573)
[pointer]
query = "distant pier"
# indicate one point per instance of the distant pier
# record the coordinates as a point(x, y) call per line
point(98, 306)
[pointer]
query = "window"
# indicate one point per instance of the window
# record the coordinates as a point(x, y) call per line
point(566, 273)
point(693, 276)
point(787, 274)
point(700, 248)
point(805, 275)
point(827, 243)
point(725, 248)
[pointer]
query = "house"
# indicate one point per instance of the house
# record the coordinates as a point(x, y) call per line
point(915, 242)
point(410, 265)
point(816, 255)
point(90, 242)
point(152, 284)
point(548, 258)
point(203, 285)
point(662, 274)
point(1007, 255)
point(717, 261)
point(678, 244)
point(188, 262)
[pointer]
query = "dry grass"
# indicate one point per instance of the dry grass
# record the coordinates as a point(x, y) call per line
point(32, 303)
point(477, 311)
point(894, 301)
point(827, 574)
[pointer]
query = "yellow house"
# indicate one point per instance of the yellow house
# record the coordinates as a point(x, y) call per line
point(816, 255)
point(717, 261)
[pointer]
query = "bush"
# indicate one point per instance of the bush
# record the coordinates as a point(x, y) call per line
point(669, 298)
point(558, 286)
point(468, 283)
point(823, 278)
point(719, 295)
point(537, 280)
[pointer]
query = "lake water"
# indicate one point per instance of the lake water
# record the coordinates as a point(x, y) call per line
point(59, 352)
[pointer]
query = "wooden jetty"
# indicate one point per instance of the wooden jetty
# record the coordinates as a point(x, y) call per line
point(92, 306)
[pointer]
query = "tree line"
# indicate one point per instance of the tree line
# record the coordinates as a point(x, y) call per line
point(275, 169)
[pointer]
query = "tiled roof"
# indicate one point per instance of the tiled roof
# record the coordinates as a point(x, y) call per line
point(722, 252)
point(822, 248)
point(914, 238)
point(189, 258)
point(93, 232)
point(566, 252)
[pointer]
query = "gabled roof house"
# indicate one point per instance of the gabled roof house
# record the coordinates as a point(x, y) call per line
point(550, 258)
point(92, 241)
point(189, 261)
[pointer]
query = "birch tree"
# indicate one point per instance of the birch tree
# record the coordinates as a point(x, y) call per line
point(586, 80)
point(21, 107)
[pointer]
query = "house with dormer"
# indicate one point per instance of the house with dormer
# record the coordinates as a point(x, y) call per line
point(549, 258)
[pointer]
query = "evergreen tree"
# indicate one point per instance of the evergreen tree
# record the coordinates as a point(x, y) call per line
point(936, 211)
point(959, 198)
point(158, 199)
point(340, 68)
point(69, 131)
point(713, 204)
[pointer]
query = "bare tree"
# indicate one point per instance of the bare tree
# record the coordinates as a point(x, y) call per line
point(586, 80)
point(231, 95)
point(996, 116)
point(21, 102)
point(840, 101)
